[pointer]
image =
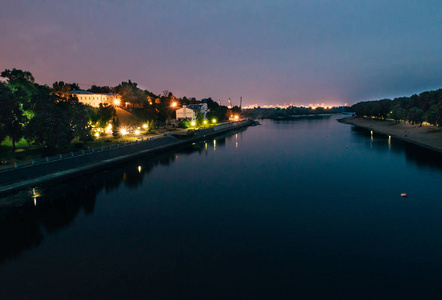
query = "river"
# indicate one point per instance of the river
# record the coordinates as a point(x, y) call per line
point(300, 209)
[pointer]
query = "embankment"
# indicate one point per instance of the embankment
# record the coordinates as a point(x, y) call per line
point(60, 167)
point(429, 137)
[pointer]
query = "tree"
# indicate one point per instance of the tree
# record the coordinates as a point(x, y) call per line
point(63, 89)
point(80, 122)
point(398, 113)
point(6, 110)
point(51, 124)
point(104, 115)
point(100, 89)
point(199, 118)
point(18, 77)
point(130, 93)
point(15, 107)
point(415, 115)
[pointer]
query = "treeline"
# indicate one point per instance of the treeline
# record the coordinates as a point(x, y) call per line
point(53, 117)
point(34, 112)
point(289, 112)
point(425, 107)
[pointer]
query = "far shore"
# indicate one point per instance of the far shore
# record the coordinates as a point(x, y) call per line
point(426, 136)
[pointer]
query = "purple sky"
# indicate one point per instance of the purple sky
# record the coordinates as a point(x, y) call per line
point(267, 51)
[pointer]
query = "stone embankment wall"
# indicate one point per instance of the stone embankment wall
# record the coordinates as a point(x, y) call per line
point(81, 161)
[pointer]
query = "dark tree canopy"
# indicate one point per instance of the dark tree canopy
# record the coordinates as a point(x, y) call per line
point(416, 109)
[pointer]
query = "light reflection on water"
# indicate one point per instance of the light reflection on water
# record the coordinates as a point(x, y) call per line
point(304, 208)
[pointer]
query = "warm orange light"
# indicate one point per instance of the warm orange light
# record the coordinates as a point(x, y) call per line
point(236, 117)
point(174, 104)
point(117, 102)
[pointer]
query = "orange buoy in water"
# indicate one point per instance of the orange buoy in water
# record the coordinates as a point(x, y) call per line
point(404, 195)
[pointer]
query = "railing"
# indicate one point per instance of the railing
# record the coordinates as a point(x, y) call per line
point(65, 156)
point(88, 151)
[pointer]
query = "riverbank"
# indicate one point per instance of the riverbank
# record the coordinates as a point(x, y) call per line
point(429, 137)
point(61, 166)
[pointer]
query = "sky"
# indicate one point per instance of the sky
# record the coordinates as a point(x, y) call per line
point(266, 51)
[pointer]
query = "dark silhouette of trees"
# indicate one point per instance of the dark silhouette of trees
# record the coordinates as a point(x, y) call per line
point(416, 109)
point(44, 116)
point(15, 104)
point(63, 89)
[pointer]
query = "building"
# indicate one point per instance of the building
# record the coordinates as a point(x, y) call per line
point(95, 99)
point(190, 111)
point(185, 113)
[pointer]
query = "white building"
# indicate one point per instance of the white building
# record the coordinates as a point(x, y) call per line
point(95, 99)
point(190, 111)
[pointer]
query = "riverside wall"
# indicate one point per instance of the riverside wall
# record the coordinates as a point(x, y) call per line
point(32, 172)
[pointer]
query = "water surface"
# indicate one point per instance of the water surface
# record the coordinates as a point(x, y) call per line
point(304, 209)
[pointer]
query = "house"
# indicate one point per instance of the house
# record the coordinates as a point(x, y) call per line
point(190, 111)
point(95, 99)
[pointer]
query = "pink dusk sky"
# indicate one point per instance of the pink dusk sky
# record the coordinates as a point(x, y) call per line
point(268, 52)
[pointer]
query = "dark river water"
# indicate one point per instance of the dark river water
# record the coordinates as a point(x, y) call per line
point(302, 209)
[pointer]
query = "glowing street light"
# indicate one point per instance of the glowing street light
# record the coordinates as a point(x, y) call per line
point(205, 122)
point(145, 126)
point(123, 131)
point(174, 104)
point(213, 121)
point(193, 123)
point(137, 132)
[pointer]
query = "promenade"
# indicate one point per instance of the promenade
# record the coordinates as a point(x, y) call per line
point(61, 167)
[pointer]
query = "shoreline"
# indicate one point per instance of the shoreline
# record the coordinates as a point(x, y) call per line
point(427, 136)
point(21, 177)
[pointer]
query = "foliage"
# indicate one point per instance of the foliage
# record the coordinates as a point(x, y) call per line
point(219, 113)
point(100, 89)
point(44, 116)
point(63, 89)
point(184, 124)
point(199, 118)
point(15, 104)
point(425, 107)
point(51, 124)
point(287, 113)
